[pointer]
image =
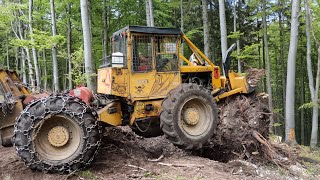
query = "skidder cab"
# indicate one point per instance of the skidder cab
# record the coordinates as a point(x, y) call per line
point(147, 84)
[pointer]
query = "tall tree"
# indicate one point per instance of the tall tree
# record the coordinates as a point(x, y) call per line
point(206, 33)
point(223, 29)
point(266, 52)
point(87, 43)
point(281, 56)
point(235, 24)
point(45, 73)
point(182, 25)
point(105, 30)
point(291, 74)
point(23, 66)
point(34, 51)
point(149, 13)
point(54, 49)
point(313, 89)
point(7, 51)
point(21, 35)
point(69, 47)
point(17, 58)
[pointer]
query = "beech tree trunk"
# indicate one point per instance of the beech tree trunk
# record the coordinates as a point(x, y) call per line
point(7, 49)
point(23, 66)
point(315, 108)
point(69, 48)
point(34, 51)
point(31, 80)
point(56, 87)
point(235, 17)
point(315, 112)
point(87, 42)
point(206, 34)
point(17, 58)
point(266, 45)
point(149, 13)
point(302, 114)
point(283, 75)
point(21, 34)
point(182, 26)
point(223, 30)
point(45, 81)
point(291, 74)
point(105, 31)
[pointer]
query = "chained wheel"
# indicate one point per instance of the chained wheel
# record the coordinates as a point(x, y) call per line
point(57, 134)
point(189, 116)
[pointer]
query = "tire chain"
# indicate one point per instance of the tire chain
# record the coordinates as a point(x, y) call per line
point(67, 166)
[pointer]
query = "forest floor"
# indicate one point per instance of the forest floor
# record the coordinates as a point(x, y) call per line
point(124, 155)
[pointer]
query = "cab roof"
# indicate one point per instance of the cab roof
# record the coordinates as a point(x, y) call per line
point(149, 30)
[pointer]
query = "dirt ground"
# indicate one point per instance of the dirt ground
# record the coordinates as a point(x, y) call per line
point(124, 155)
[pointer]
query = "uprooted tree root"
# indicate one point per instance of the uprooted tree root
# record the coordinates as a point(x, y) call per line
point(279, 154)
point(242, 133)
point(253, 75)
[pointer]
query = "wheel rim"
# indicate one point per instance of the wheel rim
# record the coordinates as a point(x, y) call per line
point(194, 117)
point(57, 138)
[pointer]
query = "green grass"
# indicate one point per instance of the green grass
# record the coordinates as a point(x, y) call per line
point(88, 175)
point(147, 174)
point(314, 154)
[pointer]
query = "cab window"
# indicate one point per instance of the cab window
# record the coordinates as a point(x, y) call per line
point(166, 53)
point(142, 53)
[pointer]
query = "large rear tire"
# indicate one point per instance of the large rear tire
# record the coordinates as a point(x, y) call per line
point(189, 116)
point(57, 134)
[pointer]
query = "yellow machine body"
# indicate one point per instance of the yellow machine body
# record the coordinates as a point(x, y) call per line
point(150, 87)
point(10, 91)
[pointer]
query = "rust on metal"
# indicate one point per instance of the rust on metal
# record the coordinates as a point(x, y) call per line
point(14, 96)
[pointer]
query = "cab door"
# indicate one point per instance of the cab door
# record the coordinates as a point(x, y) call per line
point(167, 65)
point(154, 67)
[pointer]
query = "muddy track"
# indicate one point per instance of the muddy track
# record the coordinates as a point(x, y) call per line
point(230, 154)
point(124, 155)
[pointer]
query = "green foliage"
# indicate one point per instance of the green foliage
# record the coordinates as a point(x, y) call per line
point(44, 40)
point(248, 53)
point(276, 124)
point(77, 60)
point(309, 105)
point(235, 35)
point(193, 33)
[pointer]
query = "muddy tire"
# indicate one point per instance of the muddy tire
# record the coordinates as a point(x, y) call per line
point(189, 116)
point(57, 134)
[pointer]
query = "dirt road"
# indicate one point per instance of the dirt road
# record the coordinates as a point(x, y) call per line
point(123, 155)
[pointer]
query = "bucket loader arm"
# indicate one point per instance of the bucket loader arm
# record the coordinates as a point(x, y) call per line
point(232, 83)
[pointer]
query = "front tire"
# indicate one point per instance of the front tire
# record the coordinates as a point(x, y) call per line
point(189, 116)
point(57, 134)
